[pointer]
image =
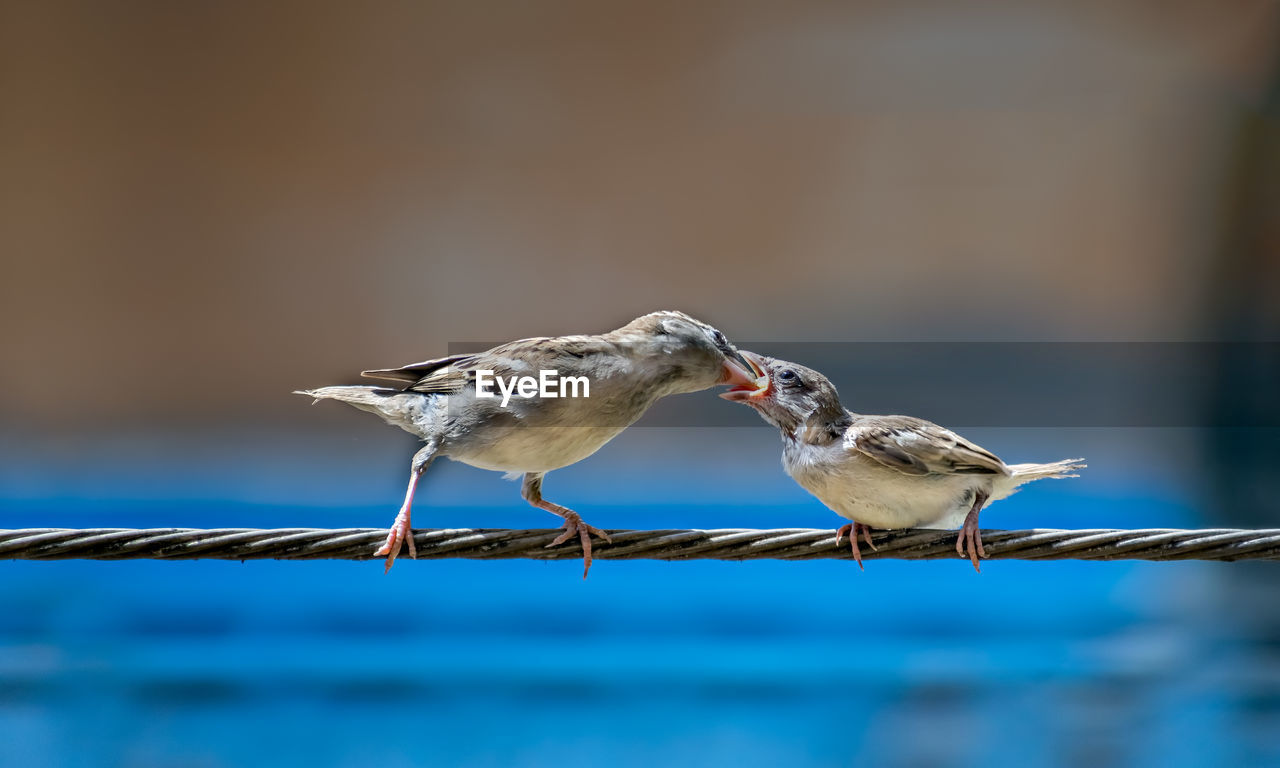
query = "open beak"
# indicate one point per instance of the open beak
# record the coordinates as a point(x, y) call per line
point(745, 374)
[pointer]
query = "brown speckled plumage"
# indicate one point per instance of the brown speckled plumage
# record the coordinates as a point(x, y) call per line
point(628, 369)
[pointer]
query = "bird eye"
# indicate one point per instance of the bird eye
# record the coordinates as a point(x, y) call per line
point(719, 338)
point(788, 375)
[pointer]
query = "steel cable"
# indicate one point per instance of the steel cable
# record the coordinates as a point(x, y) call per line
point(721, 544)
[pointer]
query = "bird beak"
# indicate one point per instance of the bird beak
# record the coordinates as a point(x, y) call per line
point(745, 373)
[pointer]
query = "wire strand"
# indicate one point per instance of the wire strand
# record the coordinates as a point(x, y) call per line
point(1225, 544)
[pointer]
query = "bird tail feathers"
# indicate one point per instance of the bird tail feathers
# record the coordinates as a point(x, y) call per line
point(394, 406)
point(1024, 473)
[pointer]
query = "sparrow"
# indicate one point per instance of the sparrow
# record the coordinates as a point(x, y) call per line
point(881, 471)
point(453, 405)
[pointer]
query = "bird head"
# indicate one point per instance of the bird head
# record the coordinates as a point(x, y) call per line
point(690, 354)
point(789, 395)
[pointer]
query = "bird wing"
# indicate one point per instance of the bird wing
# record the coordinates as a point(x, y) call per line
point(424, 373)
point(918, 447)
point(450, 375)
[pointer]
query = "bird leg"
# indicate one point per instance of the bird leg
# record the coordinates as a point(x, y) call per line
point(970, 535)
point(531, 490)
point(400, 531)
point(853, 529)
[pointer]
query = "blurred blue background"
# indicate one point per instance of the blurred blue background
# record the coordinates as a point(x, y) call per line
point(523, 663)
point(205, 207)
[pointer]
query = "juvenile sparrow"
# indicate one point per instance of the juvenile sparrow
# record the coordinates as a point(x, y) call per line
point(469, 408)
point(882, 471)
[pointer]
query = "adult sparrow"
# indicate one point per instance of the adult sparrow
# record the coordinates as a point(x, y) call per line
point(470, 409)
point(882, 471)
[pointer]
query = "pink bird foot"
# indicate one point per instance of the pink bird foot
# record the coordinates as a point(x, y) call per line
point(400, 532)
point(853, 529)
point(573, 525)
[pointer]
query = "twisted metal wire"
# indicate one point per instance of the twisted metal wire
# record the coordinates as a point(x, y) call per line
point(723, 544)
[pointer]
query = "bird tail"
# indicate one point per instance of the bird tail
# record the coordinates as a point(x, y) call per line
point(1025, 473)
point(394, 406)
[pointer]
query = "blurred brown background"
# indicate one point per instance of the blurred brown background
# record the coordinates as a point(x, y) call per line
point(204, 206)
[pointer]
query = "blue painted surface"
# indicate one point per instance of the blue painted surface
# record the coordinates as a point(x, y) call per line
point(522, 663)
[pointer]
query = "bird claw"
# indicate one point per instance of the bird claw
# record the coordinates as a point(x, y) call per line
point(400, 533)
point(971, 538)
point(853, 529)
point(573, 525)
